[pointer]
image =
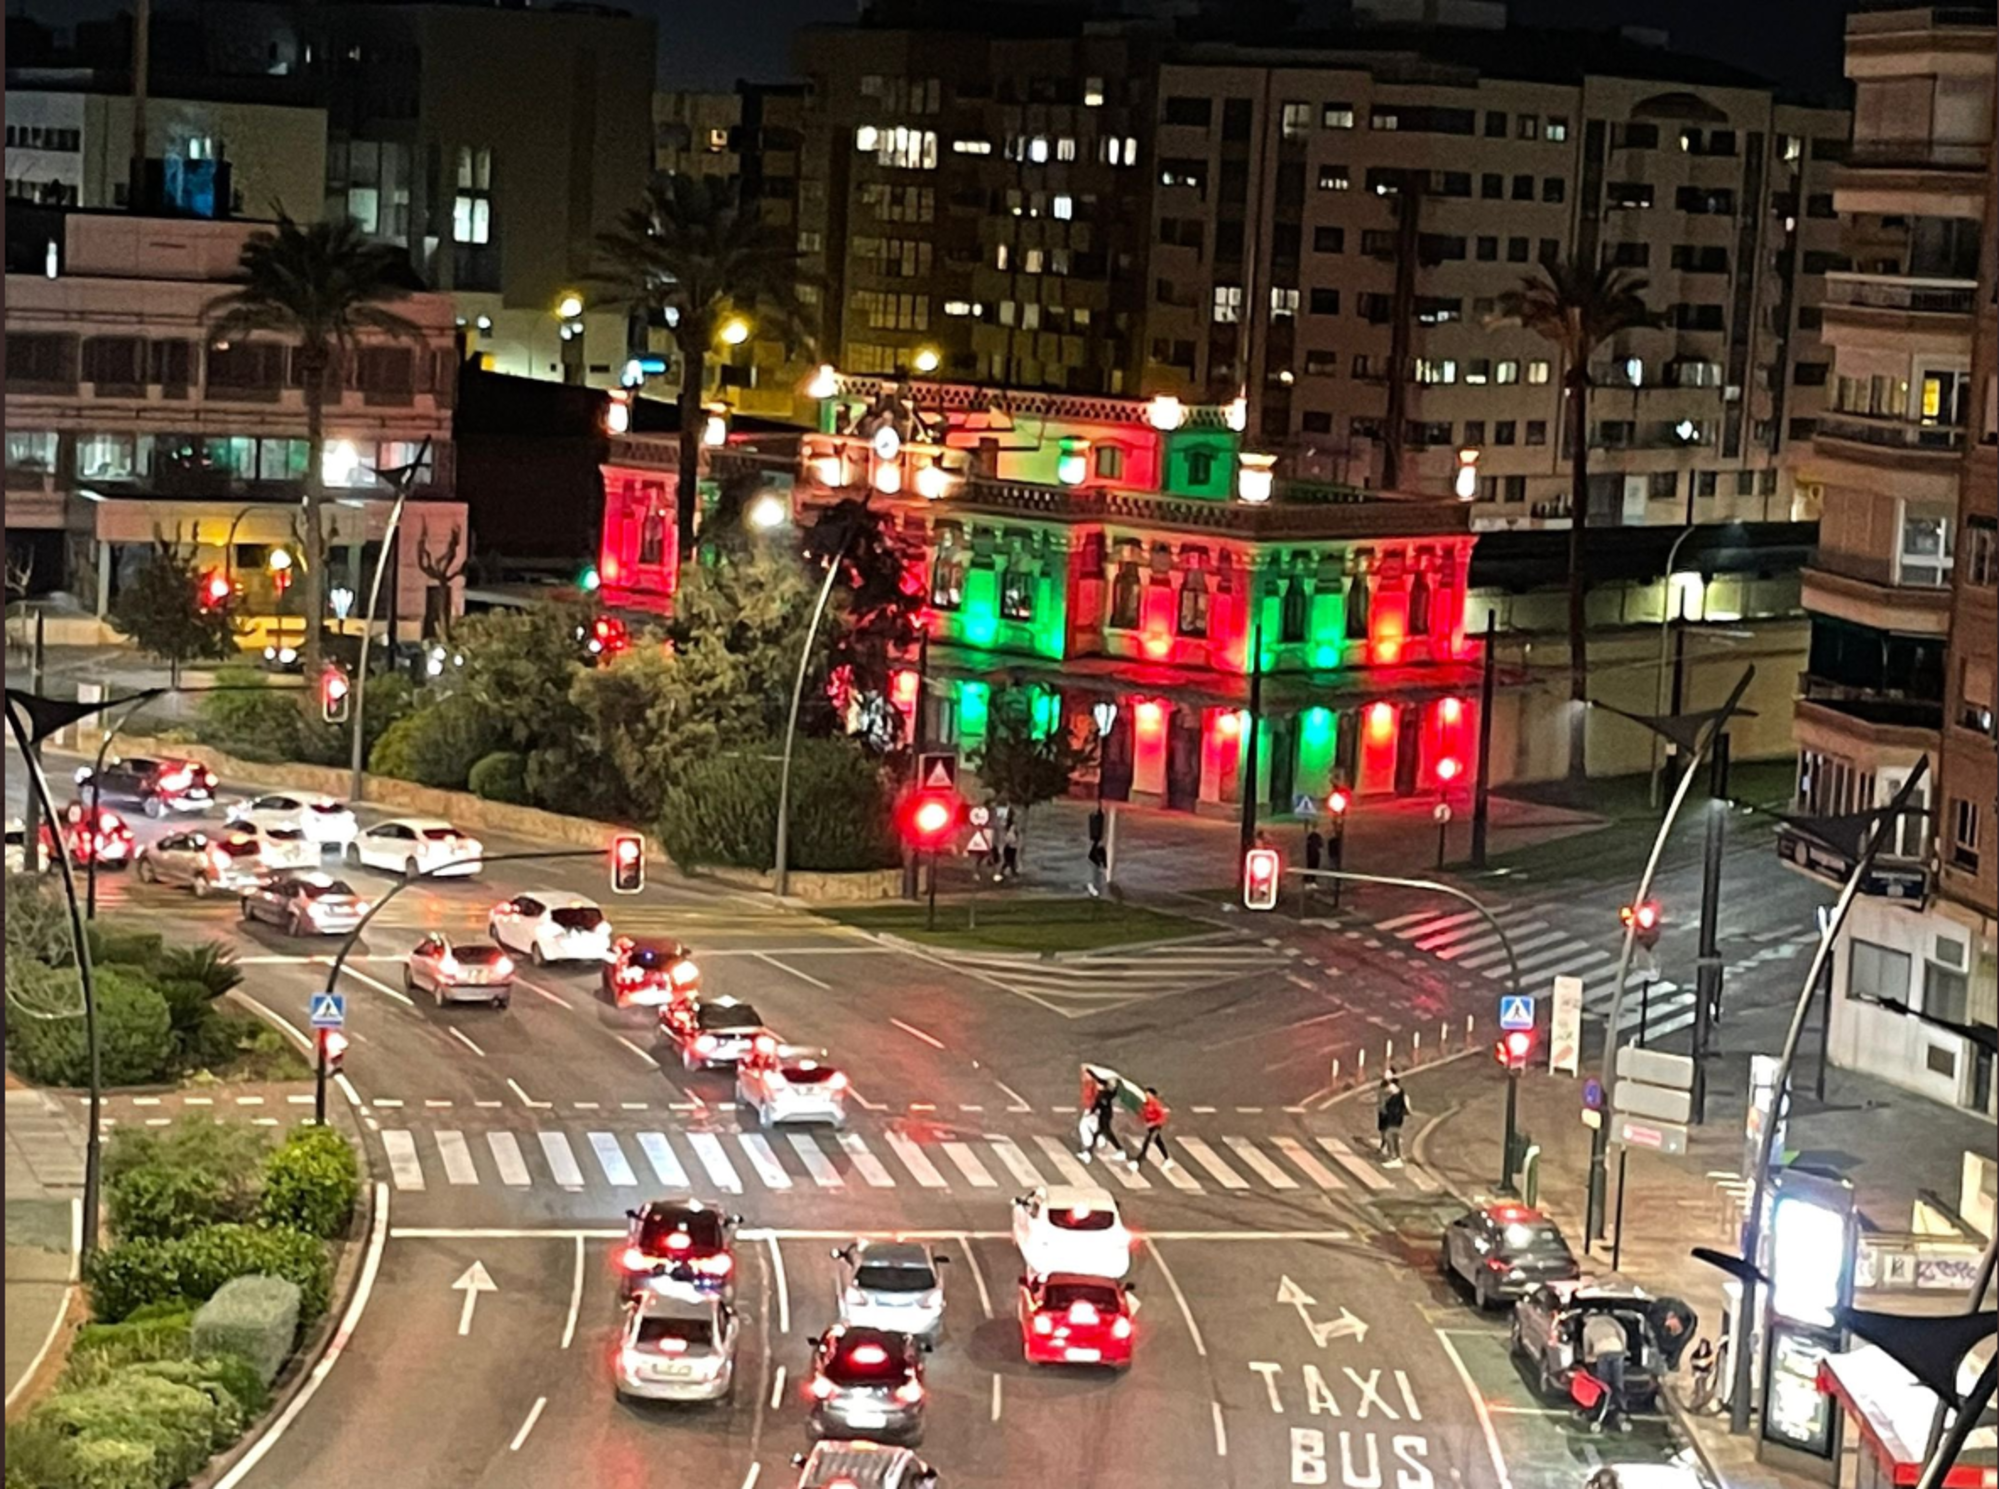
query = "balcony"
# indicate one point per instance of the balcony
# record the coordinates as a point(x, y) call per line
point(1905, 296)
point(1917, 155)
point(1887, 878)
point(1907, 436)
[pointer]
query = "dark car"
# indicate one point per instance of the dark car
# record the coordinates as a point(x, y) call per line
point(835, 1464)
point(1503, 1251)
point(305, 904)
point(649, 971)
point(717, 1033)
point(1548, 1331)
point(679, 1243)
point(156, 787)
point(867, 1383)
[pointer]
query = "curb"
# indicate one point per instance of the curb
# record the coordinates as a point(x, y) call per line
point(1683, 1425)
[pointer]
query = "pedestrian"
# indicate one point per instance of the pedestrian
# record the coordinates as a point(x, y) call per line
point(1010, 852)
point(1152, 1112)
point(1388, 1120)
point(1604, 1478)
point(1673, 1325)
point(1097, 1123)
point(1315, 849)
point(1604, 1347)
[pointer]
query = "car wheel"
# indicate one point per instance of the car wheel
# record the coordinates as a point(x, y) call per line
point(536, 956)
point(503, 1002)
point(1481, 1299)
point(295, 925)
point(1444, 1260)
point(147, 874)
point(153, 807)
point(687, 1060)
point(353, 855)
point(1514, 1343)
point(202, 885)
point(411, 868)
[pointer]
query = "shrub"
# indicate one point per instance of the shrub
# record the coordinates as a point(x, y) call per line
point(162, 1201)
point(500, 776)
point(723, 810)
point(37, 921)
point(256, 724)
point(179, 1424)
point(209, 1257)
point(157, 1332)
point(115, 946)
point(252, 1319)
point(211, 964)
point(438, 745)
point(218, 1377)
point(133, 1273)
point(134, 1030)
point(169, 1181)
point(311, 1183)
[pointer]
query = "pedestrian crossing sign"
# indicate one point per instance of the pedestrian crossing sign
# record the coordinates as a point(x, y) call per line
point(1304, 806)
point(328, 1010)
point(1516, 1011)
point(937, 772)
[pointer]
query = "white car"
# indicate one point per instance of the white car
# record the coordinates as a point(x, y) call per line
point(787, 1085)
point(323, 819)
point(417, 845)
point(1071, 1228)
point(551, 926)
point(282, 847)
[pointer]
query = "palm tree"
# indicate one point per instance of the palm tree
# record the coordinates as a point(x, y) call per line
point(1578, 307)
point(693, 251)
point(321, 286)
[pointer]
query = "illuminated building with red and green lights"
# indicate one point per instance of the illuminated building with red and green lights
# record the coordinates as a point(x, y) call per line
point(1097, 550)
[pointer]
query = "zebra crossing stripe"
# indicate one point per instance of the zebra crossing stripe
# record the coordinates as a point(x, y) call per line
point(1402, 920)
point(1123, 1174)
point(708, 1148)
point(507, 1158)
point(611, 1159)
point(756, 1147)
point(1177, 1175)
point(665, 1164)
point(914, 1159)
point(975, 1172)
point(403, 1165)
point(1302, 1160)
point(1259, 1165)
point(458, 1165)
point(865, 1163)
point(1210, 1160)
point(561, 1159)
point(817, 1164)
point(1433, 925)
point(1065, 1163)
point(1359, 1167)
point(1016, 1162)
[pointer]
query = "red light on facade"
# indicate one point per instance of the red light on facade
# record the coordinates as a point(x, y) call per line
point(905, 688)
point(1451, 710)
point(608, 569)
point(1380, 720)
point(1228, 723)
point(1158, 644)
point(1448, 769)
point(1150, 717)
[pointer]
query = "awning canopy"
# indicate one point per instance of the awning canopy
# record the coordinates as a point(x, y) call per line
point(1893, 1409)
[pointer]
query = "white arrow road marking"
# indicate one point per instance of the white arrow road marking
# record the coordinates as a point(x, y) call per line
point(475, 1281)
point(1346, 1325)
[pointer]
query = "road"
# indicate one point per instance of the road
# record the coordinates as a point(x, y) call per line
point(516, 1139)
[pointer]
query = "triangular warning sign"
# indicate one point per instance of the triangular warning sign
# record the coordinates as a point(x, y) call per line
point(939, 778)
point(981, 842)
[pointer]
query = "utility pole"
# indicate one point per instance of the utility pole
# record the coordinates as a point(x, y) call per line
point(1482, 784)
point(1249, 770)
point(31, 816)
point(142, 64)
point(1708, 973)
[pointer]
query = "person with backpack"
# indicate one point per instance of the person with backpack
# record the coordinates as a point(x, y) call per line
point(1393, 1113)
point(1152, 1112)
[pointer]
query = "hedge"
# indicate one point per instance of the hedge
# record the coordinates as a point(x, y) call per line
point(195, 1266)
point(500, 776)
point(253, 1319)
point(311, 1183)
point(159, 1332)
point(438, 745)
point(112, 946)
point(236, 1387)
point(722, 810)
point(134, 1032)
point(134, 1431)
point(165, 1183)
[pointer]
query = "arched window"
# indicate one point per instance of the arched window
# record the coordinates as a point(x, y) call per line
point(1294, 611)
point(1194, 604)
point(1419, 604)
point(1125, 593)
point(1357, 606)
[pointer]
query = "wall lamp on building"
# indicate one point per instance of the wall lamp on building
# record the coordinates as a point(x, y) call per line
point(1165, 413)
point(715, 432)
point(734, 331)
point(926, 360)
point(888, 477)
point(1466, 483)
point(933, 482)
point(768, 512)
point(339, 462)
point(825, 382)
point(341, 598)
point(618, 413)
point(1236, 412)
point(1256, 477)
point(1072, 465)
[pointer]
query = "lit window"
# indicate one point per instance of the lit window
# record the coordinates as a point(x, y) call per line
point(1335, 178)
point(1000, 256)
point(868, 138)
point(1093, 93)
point(1507, 371)
point(958, 307)
point(1063, 208)
point(1065, 148)
point(972, 147)
point(471, 219)
point(1228, 303)
point(1537, 371)
point(1337, 116)
point(1037, 150)
point(1034, 261)
point(1436, 370)
point(1556, 130)
point(1925, 556)
point(1283, 302)
point(718, 141)
point(1296, 120)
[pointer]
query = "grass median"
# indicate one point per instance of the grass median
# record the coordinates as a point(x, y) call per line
point(1022, 925)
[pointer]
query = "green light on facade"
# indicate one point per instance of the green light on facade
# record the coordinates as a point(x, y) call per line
point(1047, 712)
point(1328, 629)
point(1316, 734)
point(978, 615)
point(974, 700)
point(1051, 621)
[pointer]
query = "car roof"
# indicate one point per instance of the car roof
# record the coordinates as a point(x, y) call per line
point(1607, 1285)
point(666, 944)
point(555, 899)
point(849, 1335)
point(864, 1464)
point(679, 1204)
point(1081, 1279)
point(1512, 1212)
point(1079, 1197)
point(311, 876)
point(892, 1253)
point(667, 1302)
point(422, 824)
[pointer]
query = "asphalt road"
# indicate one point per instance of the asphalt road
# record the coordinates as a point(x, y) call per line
point(516, 1139)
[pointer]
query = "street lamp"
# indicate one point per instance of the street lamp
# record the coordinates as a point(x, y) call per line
point(735, 331)
point(1665, 632)
point(569, 306)
point(926, 360)
point(768, 512)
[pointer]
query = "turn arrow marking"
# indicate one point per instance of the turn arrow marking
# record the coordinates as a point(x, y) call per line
point(1343, 1327)
point(475, 1281)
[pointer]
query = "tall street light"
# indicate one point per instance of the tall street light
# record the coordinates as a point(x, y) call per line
point(1665, 634)
point(404, 480)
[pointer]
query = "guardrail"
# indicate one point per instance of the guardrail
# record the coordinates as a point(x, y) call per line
point(1891, 434)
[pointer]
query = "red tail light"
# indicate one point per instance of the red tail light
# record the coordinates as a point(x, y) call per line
point(504, 967)
point(909, 1392)
point(1495, 1264)
point(720, 1265)
point(1121, 1329)
point(837, 1080)
point(869, 1354)
point(679, 1241)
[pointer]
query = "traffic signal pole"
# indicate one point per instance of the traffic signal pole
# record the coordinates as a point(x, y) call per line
point(1512, 1128)
point(1481, 803)
point(319, 1077)
point(1250, 735)
point(1708, 974)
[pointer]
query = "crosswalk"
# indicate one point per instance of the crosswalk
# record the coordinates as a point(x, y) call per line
point(717, 1163)
point(1468, 942)
point(1097, 982)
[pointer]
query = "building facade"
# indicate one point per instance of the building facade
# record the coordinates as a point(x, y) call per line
point(1902, 589)
point(696, 134)
point(127, 424)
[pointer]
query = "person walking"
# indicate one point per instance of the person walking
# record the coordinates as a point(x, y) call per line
point(1097, 1124)
point(1388, 1120)
point(1604, 1348)
point(1010, 851)
point(1152, 1112)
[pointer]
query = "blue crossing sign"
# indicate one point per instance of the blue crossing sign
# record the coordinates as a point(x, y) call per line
point(1516, 1011)
point(328, 1010)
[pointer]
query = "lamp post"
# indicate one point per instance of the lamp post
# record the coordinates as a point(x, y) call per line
point(1103, 713)
point(405, 479)
point(1665, 633)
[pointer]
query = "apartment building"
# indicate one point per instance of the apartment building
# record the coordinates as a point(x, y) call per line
point(1902, 589)
point(695, 134)
point(1334, 230)
point(126, 423)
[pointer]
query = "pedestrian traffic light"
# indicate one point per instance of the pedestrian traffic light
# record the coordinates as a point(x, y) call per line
point(332, 1050)
point(1448, 770)
point(928, 819)
point(1646, 918)
point(334, 694)
point(215, 590)
point(1337, 801)
point(1514, 1046)
point(1260, 870)
point(628, 863)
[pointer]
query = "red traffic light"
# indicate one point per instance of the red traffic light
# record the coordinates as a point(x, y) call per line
point(1448, 769)
point(1513, 1048)
point(215, 590)
point(1646, 919)
point(334, 689)
point(1338, 800)
point(1260, 870)
point(628, 863)
point(929, 818)
point(333, 1047)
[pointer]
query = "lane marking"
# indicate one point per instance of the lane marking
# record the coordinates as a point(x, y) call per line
point(817, 1164)
point(659, 1153)
point(968, 1164)
point(375, 982)
point(1173, 1284)
point(1262, 1167)
point(527, 1100)
point(916, 1161)
point(911, 1029)
point(865, 1163)
point(1177, 1176)
point(403, 1164)
point(996, 1396)
point(1221, 1431)
point(978, 1274)
point(1501, 1478)
point(806, 977)
point(635, 1049)
point(756, 1147)
point(1210, 1160)
point(1306, 1164)
point(777, 1388)
point(750, 1478)
point(557, 999)
point(783, 1288)
point(1065, 1162)
point(1016, 1161)
point(708, 1148)
point(1329, 1235)
point(611, 1159)
point(575, 1299)
point(460, 1036)
point(534, 1415)
point(561, 1159)
point(1020, 1103)
point(457, 1154)
point(1126, 1176)
point(507, 1158)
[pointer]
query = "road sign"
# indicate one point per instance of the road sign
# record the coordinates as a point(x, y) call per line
point(980, 841)
point(979, 816)
point(1652, 1100)
point(1593, 1094)
point(328, 1010)
point(1669, 1138)
point(1655, 1068)
point(1304, 806)
point(1441, 813)
point(1565, 1027)
point(937, 772)
point(1516, 1010)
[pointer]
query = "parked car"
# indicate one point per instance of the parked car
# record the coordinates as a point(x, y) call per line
point(460, 972)
point(156, 787)
point(891, 1285)
point(1503, 1251)
point(551, 926)
point(676, 1346)
point(1548, 1326)
point(231, 862)
point(326, 821)
point(417, 845)
point(305, 904)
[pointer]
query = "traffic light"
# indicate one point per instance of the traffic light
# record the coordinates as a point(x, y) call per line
point(332, 1049)
point(928, 819)
point(1337, 801)
point(1514, 1046)
point(1647, 918)
point(1448, 770)
point(628, 863)
point(1260, 870)
point(608, 636)
point(335, 693)
point(215, 590)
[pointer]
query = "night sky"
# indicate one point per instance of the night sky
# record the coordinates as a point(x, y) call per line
point(1796, 43)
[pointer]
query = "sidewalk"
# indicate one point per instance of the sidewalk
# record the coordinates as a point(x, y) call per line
point(44, 1192)
point(1888, 1143)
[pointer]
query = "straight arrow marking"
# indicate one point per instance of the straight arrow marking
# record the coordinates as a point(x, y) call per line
point(475, 1281)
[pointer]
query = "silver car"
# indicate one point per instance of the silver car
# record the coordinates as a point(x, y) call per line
point(891, 1285)
point(231, 862)
point(863, 1465)
point(676, 1345)
point(305, 904)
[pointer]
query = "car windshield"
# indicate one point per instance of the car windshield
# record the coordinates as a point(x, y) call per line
point(1063, 1295)
point(698, 1332)
point(477, 955)
point(1530, 1239)
point(703, 1230)
point(729, 1016)
point(284, 834)
point(313, 891)
point(894, 1277)
point(809, 1075)
point(865, 1362)
point(577, 917)
point(1081, 1218)
point(330, 808)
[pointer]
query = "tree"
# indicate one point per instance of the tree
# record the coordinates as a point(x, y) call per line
point(882, 597)
point(321, 286)
point(443, 569)
point(1577, 307)
point(695, 253)
point(1023, 766)
point(164, 610)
